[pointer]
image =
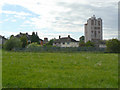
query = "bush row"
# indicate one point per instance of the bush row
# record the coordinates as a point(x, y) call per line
point(16, 44)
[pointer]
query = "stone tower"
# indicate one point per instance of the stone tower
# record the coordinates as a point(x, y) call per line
point(93, 29)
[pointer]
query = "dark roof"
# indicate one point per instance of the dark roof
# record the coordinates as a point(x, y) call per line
point(26, 34)
point(65, 39)
point(3, 37)
point(40, 39)
point(22, 34)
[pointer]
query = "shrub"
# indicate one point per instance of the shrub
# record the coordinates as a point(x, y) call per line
point(24, 41)
point(113, 45)
point(12, 43)
point(32, 45)
point(89, 44)
point(81, 44)
point(50, 43)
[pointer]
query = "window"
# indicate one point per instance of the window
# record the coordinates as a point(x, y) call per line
point(95, 22)
point(92, 31)
point(67, 42)
point(92, 22)
point(98, 31)
point(95, 33)
point(96, 27)
point(99, 23)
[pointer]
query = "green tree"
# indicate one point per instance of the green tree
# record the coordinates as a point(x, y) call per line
point(24, 41)
point(11, 36)
point(113, 45)
point(82, 38)
point(89, 44)
point(50, 43)
point(12, 43)
point(34, 37)
point(81, 44)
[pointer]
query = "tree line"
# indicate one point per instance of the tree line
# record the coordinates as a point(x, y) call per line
point(113, 45)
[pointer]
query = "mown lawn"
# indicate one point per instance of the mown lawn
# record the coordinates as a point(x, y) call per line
point(59, 70)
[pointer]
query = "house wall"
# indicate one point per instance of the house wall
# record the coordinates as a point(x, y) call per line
point(41, 43)
point(66, 44)
point(0, 40)
point(57, 44)
point(70, 44)
point(102, 46)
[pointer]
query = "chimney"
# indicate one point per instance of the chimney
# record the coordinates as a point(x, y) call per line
point(59, 36)
point(46, 39)
point(68, 36)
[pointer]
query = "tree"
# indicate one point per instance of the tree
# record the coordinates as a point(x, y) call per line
point(89, 44)
point(11, 36)
point(50, 43)
point(113, 45)
point(24, 41)
point(12, 43)
point(81, 44)
point(34, 37)
point(82, 38)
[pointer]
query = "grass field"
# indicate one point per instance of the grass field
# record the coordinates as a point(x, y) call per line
point(59, 70)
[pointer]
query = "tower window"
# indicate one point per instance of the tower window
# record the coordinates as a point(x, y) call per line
point(92, 22)
point(95, 22)
point(95, 33)
point(99, 23)
point(98, 27)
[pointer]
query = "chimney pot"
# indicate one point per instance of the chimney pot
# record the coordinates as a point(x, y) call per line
point(69, 36)
point(59, 36)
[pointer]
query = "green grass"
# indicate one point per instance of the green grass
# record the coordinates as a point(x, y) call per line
point(59, 70)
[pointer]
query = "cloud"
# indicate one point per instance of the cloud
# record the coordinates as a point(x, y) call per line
point(14, 20)
point(65, 15)
point(7, 34)
point(16, 13)
point(110, 34)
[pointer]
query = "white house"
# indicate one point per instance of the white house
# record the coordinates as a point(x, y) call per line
point(2, 39)
point(102, 46)
point(66, 42)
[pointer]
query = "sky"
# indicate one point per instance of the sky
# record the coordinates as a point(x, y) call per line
point(51, 18)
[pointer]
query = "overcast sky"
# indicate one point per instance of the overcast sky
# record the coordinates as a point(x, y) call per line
point(51, 18)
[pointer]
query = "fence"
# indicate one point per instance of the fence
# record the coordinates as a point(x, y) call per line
point(61, 49)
